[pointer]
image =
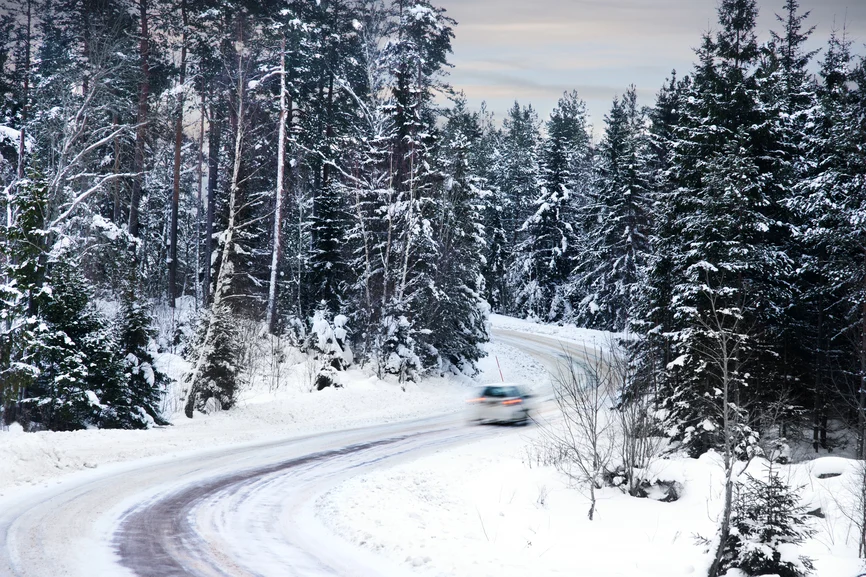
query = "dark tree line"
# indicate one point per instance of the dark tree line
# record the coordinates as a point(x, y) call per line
point(278, 161)
point(732, 207)
point(286, 161)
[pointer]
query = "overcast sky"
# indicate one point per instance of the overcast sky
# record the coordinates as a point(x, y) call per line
point(533, 50)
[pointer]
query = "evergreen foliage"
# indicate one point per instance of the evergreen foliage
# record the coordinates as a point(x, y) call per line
point(544, 258)
point(767, 523)
point(137, 403)
point(617, 221)
point(76, 376)
point(737, 196)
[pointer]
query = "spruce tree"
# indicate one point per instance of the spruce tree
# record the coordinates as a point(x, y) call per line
point(458, 283)
point(767, 517)
point(829, 204)
point(69, 346)
point(653, 320)
point(612, 264)
point(518, 172)
point(545, 257)
point(137, 403)
point(727, 247)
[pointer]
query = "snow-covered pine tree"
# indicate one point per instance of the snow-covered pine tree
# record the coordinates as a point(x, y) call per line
point(415, 61)
point(486, 153)
point(452, 303)
point(767, 522)
point(788, 100)
point(23, 273)
point(725, 232)
point(785, 95)
point(653, 319)
point(136, 403)
point(335, 78)
point(829, 201)
point(518, 173)
point(76, 373)
point(370, 191)
point(616, 219)
point(543, 259)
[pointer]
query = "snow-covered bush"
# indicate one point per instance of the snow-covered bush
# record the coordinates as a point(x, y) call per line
point(396, 351)
point(329, 340)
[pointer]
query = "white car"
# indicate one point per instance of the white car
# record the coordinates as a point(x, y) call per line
point(502, 403)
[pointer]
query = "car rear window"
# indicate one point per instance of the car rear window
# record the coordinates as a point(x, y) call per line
point(500, 392)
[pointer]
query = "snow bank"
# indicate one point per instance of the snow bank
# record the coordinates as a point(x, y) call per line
point(489, 509)
point(33, 457)
point(482, 510)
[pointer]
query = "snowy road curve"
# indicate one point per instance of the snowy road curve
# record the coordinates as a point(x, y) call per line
point(232, 511)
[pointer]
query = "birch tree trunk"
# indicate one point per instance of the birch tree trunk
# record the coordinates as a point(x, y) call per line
point(278, 201)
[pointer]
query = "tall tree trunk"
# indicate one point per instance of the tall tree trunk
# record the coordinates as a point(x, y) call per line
point(213, 161)
point(178, 144)
point(116, 185)
point(861, 388)
point(223, 280)
point(26, 95)
point(199, 293)
point(140, 132)
point(278, 201)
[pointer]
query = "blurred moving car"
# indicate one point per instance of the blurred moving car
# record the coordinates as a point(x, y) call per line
point(504, 403)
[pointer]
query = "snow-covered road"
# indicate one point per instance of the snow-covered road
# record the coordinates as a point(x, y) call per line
point(232, 511)
point(237, 511)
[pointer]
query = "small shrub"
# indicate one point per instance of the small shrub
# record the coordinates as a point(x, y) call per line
point(766, 518)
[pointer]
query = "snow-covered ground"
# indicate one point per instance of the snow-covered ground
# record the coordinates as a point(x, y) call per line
point(492, 508)
point(571, 333)
point(270, 408)
point(487, 507)
point(261, 414)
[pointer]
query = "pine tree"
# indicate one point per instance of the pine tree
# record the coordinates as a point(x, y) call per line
point(727, 243)
point(458, 284)
point(23, 273)
point(518, 174)
point(137, 403)
point(767, 517)
point(611, 268)
point(653, 319)
point(70, 348)
point(544, 258)
point(828, 201)
point(486, 152)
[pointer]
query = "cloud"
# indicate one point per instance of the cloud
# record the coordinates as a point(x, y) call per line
point(534, 51)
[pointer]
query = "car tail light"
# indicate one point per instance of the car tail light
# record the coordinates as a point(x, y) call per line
point(512, 402)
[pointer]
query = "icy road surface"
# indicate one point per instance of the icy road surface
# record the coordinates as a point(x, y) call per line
point(233, 511)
